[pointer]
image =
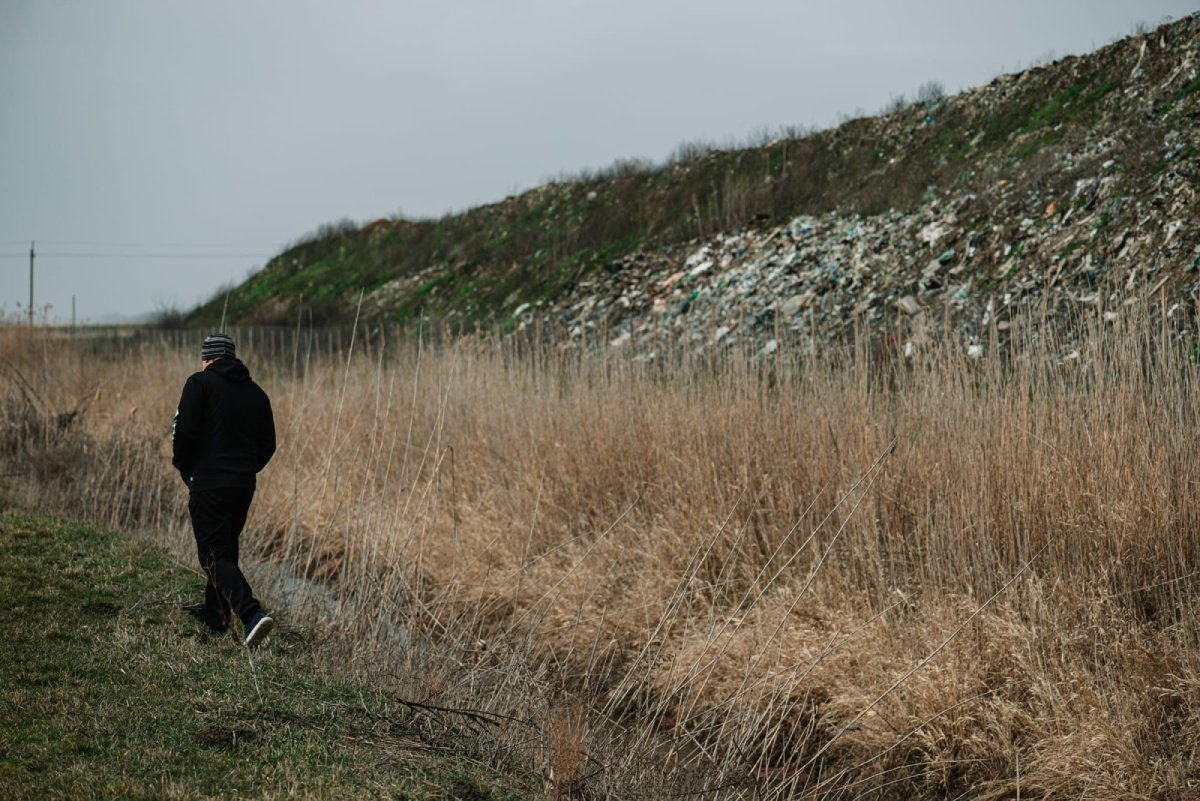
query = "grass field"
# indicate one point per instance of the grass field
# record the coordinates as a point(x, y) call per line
point(813, 577)
point(111, 691)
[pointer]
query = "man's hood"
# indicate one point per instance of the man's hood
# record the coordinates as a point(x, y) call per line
point(230, 369)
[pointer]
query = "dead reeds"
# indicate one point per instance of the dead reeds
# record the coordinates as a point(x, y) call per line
point(783, 580)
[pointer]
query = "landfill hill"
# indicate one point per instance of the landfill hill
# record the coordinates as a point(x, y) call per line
point(1067, 186)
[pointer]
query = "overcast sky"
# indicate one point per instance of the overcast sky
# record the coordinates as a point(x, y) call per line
point(157, 150)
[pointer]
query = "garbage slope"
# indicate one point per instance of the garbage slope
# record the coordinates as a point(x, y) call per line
point(1069, 186)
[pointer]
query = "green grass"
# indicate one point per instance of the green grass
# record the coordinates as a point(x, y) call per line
point(1190, 88)
point(1068, 104)
point(1004, 125)
point(1029, 147)
point(951, 143)
point(1044, 120)
point(109, 690)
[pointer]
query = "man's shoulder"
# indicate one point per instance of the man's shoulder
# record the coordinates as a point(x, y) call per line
point(262, 393)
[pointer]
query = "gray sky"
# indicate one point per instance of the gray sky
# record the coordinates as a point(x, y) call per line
point(138, 139)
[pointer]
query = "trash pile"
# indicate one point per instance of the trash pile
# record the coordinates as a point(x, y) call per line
point(1064, 191)
point(819, 277)
point(1106, 223)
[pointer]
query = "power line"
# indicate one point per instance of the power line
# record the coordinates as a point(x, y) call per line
point(53, 255)
point(96, 243)
point(156, 255)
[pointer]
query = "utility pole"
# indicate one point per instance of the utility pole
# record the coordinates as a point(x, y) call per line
point(31, 285)
point(72, 315)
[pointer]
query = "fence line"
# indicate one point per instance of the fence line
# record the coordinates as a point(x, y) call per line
point(536, 342)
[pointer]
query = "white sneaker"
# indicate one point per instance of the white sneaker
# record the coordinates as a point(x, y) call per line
point(260, 626)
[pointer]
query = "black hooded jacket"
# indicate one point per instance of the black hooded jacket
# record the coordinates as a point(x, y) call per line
point(224, 431)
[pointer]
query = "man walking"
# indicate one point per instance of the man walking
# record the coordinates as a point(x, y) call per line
point(222, 436)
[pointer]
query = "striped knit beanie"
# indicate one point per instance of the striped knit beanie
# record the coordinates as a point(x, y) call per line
point(217, 346)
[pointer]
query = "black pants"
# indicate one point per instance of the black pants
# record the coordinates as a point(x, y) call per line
point(217, 519)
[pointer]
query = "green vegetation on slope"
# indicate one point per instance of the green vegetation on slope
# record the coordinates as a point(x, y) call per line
point(110, 691)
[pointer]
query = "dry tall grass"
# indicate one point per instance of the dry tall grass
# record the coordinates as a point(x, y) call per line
point(784, 579)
